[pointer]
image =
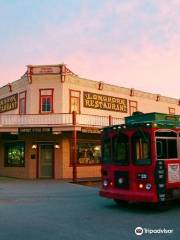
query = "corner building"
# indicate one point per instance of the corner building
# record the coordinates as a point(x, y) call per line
point(51, 120)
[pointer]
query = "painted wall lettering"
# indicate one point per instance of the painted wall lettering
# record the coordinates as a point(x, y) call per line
point(9, 103)
point(104, 102)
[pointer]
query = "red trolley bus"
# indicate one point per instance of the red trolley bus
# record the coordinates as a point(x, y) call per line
point(141, 159)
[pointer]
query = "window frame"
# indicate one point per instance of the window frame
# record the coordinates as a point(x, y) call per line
point(124, 162)
point(167, 138)
point(172, 111)
point(85, 141)
point(41, 96)
point(20, 101)
point(6, 164)
point(133, 105)
point(141, 162)
point(70, 99)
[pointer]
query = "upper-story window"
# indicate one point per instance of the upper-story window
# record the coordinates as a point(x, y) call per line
point(22, 102)
point(46, 100)
point(75, 101)
point(133, 106)
point(171, 111)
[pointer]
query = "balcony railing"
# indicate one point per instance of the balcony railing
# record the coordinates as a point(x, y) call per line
point(61, 119)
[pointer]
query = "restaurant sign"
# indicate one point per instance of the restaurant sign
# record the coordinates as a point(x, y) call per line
point(9, 103)
point(104, 102)
point(46, 70)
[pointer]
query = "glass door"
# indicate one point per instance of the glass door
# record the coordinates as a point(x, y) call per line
point(46, 159)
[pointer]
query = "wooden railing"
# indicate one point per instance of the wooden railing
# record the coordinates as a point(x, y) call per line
point(60, 119)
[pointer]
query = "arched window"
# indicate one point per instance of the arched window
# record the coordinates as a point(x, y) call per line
point(141, 148)
point(121, 149)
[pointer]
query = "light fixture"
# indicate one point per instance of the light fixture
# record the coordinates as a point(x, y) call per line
point(56, 146)
point(105, 183)
point(57, 132)
point(97, 148)
point(34, 146)
point(14, 133)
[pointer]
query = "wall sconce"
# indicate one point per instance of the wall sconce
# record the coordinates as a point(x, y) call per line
point(34, 146)
point(56, 146)
point(100, 87)
point(57, 132)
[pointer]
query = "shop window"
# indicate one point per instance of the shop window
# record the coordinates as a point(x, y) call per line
point(89, 153)
point(22, 102)
point(46, 100)
point(141, 148)
point(171, 111)
point(133, 107)
point(15, 154)
point(75, 101)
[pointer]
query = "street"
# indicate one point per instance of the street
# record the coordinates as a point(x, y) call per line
point(53, 210)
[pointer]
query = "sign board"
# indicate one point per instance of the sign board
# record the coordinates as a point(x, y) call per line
point(46, 70)
point(90, 130)
point(104, 102)
point(174, 172)
point(35, 130)
point(9, 103)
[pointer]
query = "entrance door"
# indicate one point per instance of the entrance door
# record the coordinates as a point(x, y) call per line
point(46, 159)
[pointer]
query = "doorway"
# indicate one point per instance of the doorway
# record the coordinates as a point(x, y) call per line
point(46, 161)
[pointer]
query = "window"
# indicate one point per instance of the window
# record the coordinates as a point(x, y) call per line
point(106, 151)
point(46, 101)
point(15, 154)
point(22, 102)
point(89, 153)
point(141, 148)
point(171, 111)
point(75, 101)
point(166, 145)
point(121, 149)
point(133, 107)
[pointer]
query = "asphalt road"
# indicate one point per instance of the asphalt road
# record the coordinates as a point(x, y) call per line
point(54, 210)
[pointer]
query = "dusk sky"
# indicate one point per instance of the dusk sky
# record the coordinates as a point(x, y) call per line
point(130, 43)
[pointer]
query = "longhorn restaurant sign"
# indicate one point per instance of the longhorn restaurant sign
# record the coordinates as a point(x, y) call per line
point(9, 103)
point(104, 102)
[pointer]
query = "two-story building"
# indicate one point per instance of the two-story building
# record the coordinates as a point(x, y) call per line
point(51, 120)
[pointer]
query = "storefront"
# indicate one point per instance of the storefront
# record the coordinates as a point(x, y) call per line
point(51, 120)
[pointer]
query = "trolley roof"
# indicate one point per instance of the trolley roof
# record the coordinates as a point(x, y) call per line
point(155, 118)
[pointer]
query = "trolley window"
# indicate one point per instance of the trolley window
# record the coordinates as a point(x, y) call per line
point(106, 151)
point(166, 145)
point(141, 148)
point(121, 149)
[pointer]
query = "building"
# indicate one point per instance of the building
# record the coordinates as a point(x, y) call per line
point(50, 121)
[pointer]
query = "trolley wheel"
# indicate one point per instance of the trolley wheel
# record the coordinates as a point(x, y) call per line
point(121, 202)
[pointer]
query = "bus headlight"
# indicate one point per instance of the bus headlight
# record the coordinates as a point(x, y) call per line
point(105, 182)
point(148, 186)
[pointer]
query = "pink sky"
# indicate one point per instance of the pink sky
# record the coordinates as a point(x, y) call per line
point(127, 43)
